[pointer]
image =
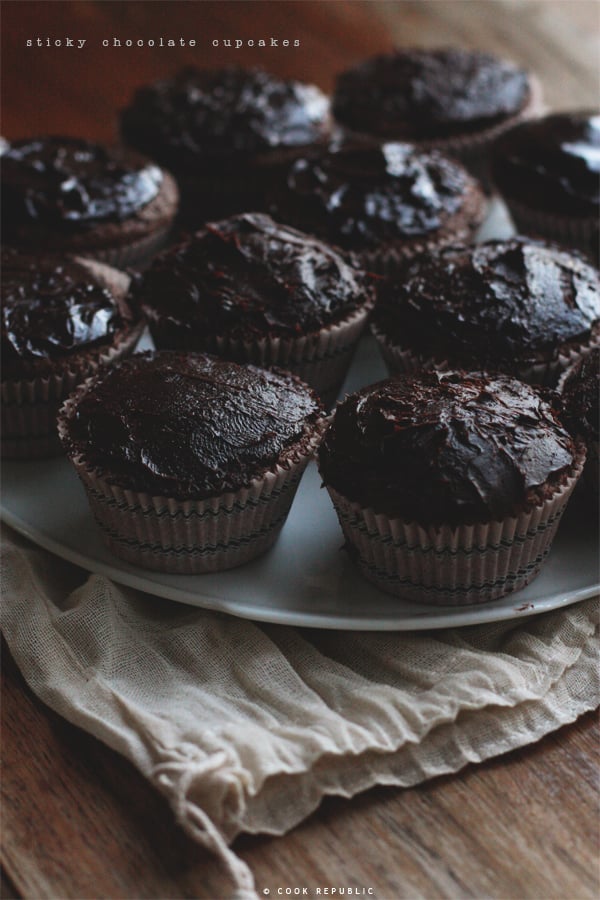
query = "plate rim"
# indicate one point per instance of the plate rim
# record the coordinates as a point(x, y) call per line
point(475, 614)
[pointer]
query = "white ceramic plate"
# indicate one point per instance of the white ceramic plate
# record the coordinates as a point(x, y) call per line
point(306, 579)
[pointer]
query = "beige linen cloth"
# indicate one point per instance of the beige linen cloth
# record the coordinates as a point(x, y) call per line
point(246, 727)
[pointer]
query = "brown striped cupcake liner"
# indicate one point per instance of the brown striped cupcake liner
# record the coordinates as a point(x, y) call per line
point(591, 473)
point(386, 259)
point(579, 234)
point(546, 373)
point(453, 566)
point(193, 537)
point(30, 405)
point(321, 358)
point(472, 149)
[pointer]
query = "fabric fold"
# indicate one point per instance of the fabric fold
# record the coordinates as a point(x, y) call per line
point(245, 728)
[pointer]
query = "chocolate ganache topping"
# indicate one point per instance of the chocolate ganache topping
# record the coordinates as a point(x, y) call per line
point(189, 426)
point(581, 397)
point(445, 449)
point(501, 303)
point(248, 276)
point(418, 94)
point(53, 307)
point(220, 114)
point(360, 196)
point(552, 164)
point(71, 185)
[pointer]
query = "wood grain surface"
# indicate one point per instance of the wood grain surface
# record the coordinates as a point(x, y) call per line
point(77, 820)
point(80, 822)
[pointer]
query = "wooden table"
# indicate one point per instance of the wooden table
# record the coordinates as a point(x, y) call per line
point(77, 820)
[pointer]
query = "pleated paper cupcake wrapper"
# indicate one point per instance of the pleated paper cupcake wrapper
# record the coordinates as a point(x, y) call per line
point(579, 234)
point(590, 480)
point(138, 254)
point(386, 259)
point(321, 359)
point(30, 408)
point(591, 472)
point(473, 149)
point(447, 566)
point(545, 374)
point(194, 537)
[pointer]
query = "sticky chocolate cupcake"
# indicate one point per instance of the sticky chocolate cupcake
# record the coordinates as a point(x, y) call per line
point(254, 291)
point(548, 172)
point(517, 306)
point(449, 488)
point(225, 134)
point(67, 195)
point(61, 319)
point(380, 202)
point(190, 463)
point(450, 99)
point(579, 387)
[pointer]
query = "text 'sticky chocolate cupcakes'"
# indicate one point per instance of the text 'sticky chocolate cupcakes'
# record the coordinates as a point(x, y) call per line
point(251, 290)
point(382, 203)
point(449, 488)
point(190, 463)
point(67, 195)
point(451, 99)
point(548, 172)
point(225, 134)
point(61, 319)
point(517, 306)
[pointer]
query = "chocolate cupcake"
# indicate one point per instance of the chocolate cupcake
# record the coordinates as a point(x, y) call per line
point(450, 99)
point(66, 195)
point(61, 319)
point(449, 488)
point(190, 463)
point(381, 202)
point(548, 172)
point(225, 134)
point(517, 306)
point(579, 387)
point(254, 291)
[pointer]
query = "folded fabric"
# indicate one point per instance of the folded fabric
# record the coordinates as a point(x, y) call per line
point(246, 727)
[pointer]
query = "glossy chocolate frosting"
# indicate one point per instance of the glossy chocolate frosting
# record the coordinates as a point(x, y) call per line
point(497, 304)
point(358, 197)
point(552, 164)
point(247, 276)
point(581, 398)
point(71, 185)
point(189, 425)
point(222, 114)
point(417, 94)
point(445, 449)
point(51, 308)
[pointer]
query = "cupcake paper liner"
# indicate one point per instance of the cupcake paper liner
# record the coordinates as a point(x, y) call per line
point(546, 373)
point(385, 259)
point(321, 359)
point(590, 478)
point(132, 242)
point(193, 537)
point(471, 149)
point(453, 566)
point(137, 254)
point(580, 234)
point(30, 405)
